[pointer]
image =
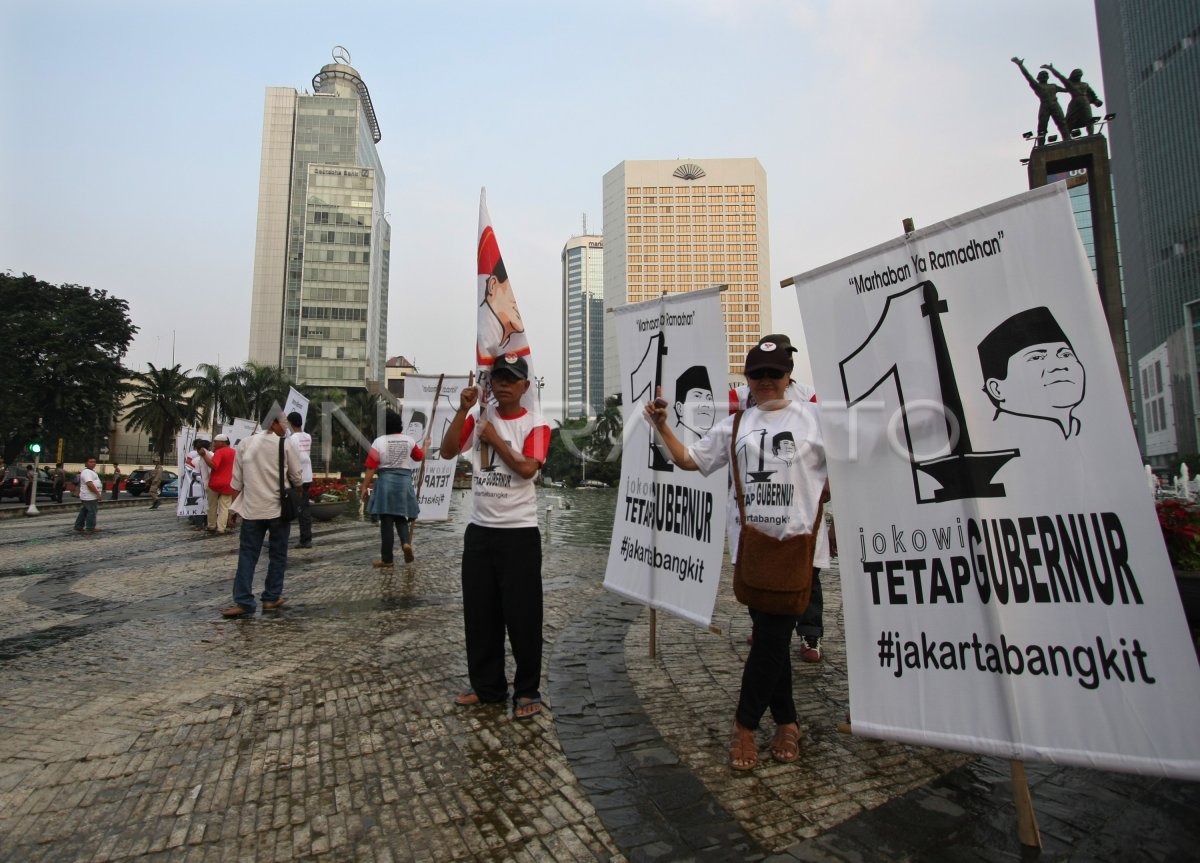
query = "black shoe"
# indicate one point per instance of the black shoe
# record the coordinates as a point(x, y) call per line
point(304, 545)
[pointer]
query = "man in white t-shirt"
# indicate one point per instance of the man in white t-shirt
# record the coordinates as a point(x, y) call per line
point(302, 441)
point(502, 547)
point(90, 492)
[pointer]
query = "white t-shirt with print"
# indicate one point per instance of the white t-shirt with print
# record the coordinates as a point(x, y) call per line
point(500, 497)
point(781, 458)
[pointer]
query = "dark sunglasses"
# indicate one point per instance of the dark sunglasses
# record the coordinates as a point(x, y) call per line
point(759, 374)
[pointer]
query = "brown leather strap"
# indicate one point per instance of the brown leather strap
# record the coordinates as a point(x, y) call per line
point(737, 474)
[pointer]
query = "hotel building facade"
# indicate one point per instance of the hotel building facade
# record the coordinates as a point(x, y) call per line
point(680, 225)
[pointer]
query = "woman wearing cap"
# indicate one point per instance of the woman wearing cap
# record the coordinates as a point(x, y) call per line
point(788, 509)
point(391, 461)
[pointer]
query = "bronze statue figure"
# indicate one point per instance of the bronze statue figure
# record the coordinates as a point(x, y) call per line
point(1079, 115)
point(1047, 93)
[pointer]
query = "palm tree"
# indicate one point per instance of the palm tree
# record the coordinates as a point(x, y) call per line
point(161, 405)
point(212, 392)
point(255, 388)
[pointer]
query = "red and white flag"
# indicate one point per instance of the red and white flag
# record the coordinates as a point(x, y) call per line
point(501, 330)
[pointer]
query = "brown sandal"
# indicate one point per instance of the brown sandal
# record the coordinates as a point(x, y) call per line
point(743, 753)
point(785, 747)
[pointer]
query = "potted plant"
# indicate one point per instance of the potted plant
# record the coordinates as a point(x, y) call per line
point(1180, 522)
point(328, 498)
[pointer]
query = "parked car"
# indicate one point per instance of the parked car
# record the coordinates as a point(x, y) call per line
point(169, 489)
point(138, 481)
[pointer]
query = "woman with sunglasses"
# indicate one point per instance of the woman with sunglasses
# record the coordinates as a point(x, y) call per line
point(782, 491)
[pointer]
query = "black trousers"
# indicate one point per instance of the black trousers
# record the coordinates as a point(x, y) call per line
point(305, 516)
point(811, 624)
point(767, 676)
point(502, 593)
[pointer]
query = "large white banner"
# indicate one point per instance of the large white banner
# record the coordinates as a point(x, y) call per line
point(296, 402)
point(238, 430)
point(429, 405)
point(1006, 586)
point(193, 496)
point(668, 532)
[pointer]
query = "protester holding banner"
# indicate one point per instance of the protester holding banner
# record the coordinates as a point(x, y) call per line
point(390, 464)
point(782, 496)
point(811, 626)
point(502, 547)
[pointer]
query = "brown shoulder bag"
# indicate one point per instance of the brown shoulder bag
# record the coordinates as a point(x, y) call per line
point(771, 575)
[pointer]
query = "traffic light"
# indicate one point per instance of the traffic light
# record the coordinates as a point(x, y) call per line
point(35, 448)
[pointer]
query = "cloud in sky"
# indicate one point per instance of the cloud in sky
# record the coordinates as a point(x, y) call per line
point(129, 152)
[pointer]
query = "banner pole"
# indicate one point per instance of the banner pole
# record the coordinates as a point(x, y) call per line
point(1027, 829)
point(653, 631)
point(437, 394)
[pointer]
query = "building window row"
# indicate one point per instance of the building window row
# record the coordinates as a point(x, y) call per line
point(327, 313)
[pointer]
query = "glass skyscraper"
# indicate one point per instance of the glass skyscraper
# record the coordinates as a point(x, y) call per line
point(1151, 58)
point(583, 326)
point(319, 307)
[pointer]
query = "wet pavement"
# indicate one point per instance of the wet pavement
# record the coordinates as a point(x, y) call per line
point(135, 723)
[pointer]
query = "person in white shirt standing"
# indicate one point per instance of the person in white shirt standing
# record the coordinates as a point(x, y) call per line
point(502, 547)
point(90, 492)
point(302, 440)
point(257, 482)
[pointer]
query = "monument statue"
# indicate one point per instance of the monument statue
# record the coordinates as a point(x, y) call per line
point(1047, 94)
point(1079, 114)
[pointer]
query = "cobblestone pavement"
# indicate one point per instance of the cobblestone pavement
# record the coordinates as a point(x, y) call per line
point(135, 723)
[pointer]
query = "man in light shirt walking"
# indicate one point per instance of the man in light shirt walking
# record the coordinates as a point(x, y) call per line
point(257, 478)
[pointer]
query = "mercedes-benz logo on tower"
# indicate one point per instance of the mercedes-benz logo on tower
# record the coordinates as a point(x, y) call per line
point(341, 55)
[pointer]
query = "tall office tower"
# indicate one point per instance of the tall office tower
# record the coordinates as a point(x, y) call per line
point(680, 225)
point(583, 326)
point(319, 308)
point(1150, 50)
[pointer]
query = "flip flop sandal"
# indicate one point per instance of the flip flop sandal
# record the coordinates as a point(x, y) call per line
point(785, 747)
point(523, 702)
point(743, 749)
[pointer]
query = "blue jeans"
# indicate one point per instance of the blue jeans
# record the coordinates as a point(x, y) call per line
point(251, 541)
point(86, 520)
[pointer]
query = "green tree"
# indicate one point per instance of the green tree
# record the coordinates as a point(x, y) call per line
point(161, 405)
point(254, 388)
point(568, 443)
point(609, 426)
point(63, 346)
point(212, 391)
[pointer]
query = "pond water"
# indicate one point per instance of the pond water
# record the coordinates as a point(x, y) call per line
point(576, 516)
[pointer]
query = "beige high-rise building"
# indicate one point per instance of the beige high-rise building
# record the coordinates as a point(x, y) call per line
point(320, 296)
point(680, 225)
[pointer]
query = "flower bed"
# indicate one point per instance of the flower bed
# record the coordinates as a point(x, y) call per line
point(1180, 522)
point(329, 491)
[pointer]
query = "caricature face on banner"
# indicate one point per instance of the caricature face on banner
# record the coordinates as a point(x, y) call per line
point(427, 413)
point(668, 539)
point(1005, 582)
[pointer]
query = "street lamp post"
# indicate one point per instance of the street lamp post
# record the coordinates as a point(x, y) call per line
point(539, 382)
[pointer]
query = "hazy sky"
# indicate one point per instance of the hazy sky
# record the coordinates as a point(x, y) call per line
point(130, 135)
